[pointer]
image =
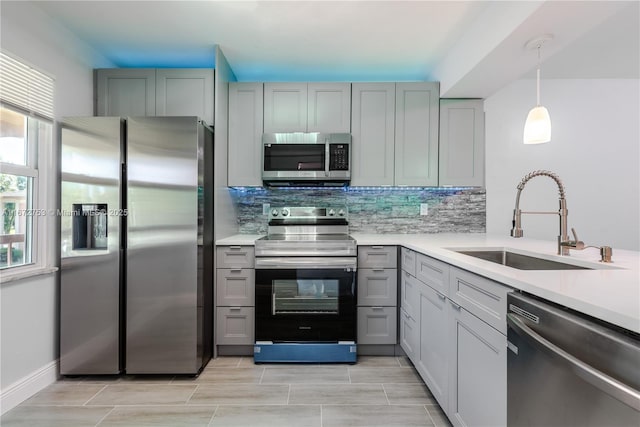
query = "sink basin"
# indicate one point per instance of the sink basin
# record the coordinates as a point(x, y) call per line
point(519, 261)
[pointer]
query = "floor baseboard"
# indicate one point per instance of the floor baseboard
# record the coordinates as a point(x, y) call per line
point(26, 387)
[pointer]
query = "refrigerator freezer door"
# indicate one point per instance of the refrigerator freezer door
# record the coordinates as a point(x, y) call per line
point(162, 243)
point(90, 214)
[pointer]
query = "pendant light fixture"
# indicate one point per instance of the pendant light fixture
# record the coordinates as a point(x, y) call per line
point(537, 128)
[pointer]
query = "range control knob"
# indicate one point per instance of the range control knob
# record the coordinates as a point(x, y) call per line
point(285, 212)
point(274, 212)
point(332, 212)
point(341, 212)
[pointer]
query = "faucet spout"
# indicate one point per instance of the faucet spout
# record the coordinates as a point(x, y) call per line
point(516, 230)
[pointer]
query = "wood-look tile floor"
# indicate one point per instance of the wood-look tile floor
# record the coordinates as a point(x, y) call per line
point(233, 391)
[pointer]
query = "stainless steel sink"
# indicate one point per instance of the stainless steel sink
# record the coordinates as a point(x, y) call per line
point(519, 261)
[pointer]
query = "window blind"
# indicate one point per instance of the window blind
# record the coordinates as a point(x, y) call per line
point(25, 87)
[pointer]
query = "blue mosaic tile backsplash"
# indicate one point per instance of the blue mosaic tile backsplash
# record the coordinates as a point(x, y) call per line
point(373, 210)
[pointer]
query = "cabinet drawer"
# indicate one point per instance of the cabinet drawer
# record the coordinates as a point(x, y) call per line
point(377, 325)
point(235, 287)
point(377, 256)
point(482, 297)
point(235, 325)
point(377, 287)
point(234, 256)
point(409, 261)
point(409, 293)
point(433, 273)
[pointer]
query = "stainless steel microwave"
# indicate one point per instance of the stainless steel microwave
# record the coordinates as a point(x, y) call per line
point(290, 159)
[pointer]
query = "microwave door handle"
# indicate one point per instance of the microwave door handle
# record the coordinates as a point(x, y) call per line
point(327, 154)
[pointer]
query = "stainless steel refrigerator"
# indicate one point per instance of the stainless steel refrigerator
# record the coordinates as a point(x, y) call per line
point(136, 231)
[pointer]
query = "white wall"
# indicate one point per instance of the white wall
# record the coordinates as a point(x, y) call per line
point(29, 320)
point(594, 149)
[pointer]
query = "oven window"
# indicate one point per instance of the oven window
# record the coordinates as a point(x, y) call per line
point(294, 157)
point(305, 296)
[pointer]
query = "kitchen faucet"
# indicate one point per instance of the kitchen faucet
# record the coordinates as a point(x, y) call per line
point(564, 244)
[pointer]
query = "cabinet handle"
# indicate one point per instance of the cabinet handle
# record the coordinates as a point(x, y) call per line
point(235, 248)
point(378, 269)
point(441, 296)
point(456, 306)
point(377, 247)
point(377, 308)
point(236, 270)
point(235, 308)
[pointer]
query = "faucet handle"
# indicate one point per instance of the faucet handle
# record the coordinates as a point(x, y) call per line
point(577, 244)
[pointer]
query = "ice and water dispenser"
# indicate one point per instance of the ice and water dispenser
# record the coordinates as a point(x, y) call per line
point(89, 226)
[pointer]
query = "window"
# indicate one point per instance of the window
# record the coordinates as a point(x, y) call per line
point(26, 100)
point(20, 136)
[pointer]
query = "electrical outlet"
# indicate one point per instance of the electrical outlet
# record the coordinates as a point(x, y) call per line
point(265, 208)
point(424, 209)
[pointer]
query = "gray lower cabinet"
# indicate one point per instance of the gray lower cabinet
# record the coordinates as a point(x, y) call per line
point(453, 329)
point(377, 295)
point(477, 372)
point(235, 325)
point(433, 361)
point(235, 296)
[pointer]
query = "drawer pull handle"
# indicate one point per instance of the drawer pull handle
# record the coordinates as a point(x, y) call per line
point(377, 247)
point(235, 308)
point(378, 270)
point(377, 308)
point(236, 270)
point(456, 306)
point(441, 296)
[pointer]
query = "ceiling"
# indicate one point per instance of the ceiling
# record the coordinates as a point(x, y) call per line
point(472, 47)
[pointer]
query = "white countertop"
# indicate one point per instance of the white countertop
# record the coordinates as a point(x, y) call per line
point(610, 292)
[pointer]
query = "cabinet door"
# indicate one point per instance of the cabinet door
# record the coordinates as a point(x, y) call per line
point(377, 325)
point(477, 372)
point(185, 92)
point(245, 134)
point(434, 351)
point(409, 294)
point(416, 134)
point(235, 287)
point(461, 142)
point(372, 133)
point(377, 287)
point(126, 92)
point(409, 335)
point(285, 107)
point(329, 107)
point(235, 325)
point(433, 273)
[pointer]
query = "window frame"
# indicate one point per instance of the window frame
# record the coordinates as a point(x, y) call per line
point(39, 166)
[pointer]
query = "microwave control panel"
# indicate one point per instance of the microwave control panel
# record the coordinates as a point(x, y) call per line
point(338, 157)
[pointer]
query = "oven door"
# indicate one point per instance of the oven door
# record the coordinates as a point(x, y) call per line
point(306, 299)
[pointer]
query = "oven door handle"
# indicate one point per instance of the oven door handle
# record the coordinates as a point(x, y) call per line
point(334, 263)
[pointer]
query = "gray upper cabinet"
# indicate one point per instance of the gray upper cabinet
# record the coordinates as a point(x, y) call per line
point(302, 107)
point(125, 92)
point(285, 107)
point(245, 134)
point(185, 92)
point(329, 107)
point(416, 134)
point(461, 142)
point(151, 92)
point(372, 133)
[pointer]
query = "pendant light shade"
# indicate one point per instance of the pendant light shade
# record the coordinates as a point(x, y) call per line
point(537, 128)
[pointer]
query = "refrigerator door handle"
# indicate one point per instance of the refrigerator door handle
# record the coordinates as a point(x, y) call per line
point(593, 376)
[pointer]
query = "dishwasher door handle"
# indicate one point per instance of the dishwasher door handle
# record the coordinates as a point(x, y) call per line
point(593, 376)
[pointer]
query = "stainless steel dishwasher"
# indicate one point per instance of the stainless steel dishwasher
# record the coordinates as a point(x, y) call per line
point(565, 369)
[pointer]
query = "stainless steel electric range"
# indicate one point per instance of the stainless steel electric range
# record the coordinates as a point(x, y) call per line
point(306, 287)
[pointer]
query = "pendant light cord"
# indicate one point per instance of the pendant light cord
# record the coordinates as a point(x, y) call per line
point(538, 80)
